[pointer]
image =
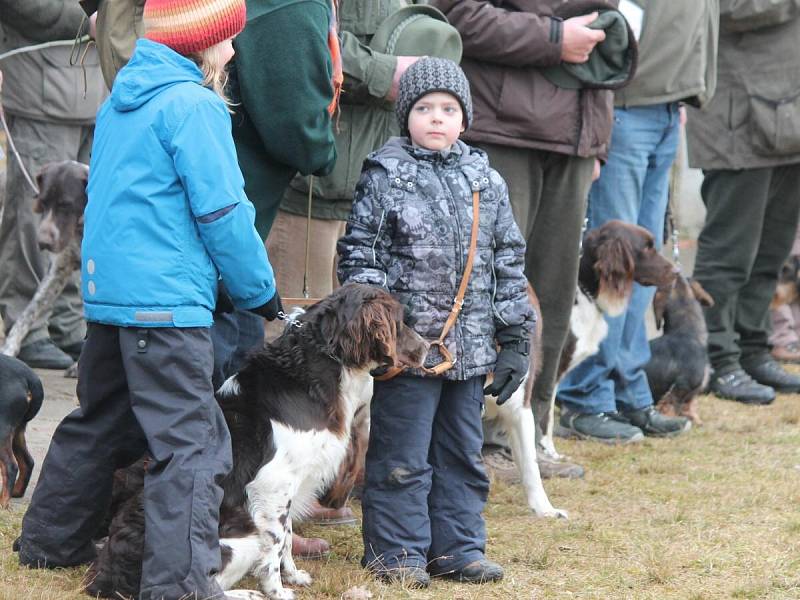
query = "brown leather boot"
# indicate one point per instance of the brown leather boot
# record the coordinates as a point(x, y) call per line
point(790, 353)
point(320, 515)
point(309, 548)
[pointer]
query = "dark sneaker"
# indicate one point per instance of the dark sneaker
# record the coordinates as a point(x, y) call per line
point(653, 423)
point(770, 373)
point(44, 354)
point(738, 385)
point(609, 428)
point(408, 577)
point(550, 467)
point(478, 571)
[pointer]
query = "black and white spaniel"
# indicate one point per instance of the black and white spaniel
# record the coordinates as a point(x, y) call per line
point(290, 410)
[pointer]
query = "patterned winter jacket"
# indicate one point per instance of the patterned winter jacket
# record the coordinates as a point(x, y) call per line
point(409, 232)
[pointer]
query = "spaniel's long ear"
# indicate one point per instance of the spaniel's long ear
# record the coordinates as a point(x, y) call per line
point(372, 334)
point(41, 178)
point(615, 268)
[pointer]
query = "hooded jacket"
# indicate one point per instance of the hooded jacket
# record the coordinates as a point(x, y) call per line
point(409, 232)
point(167, 213)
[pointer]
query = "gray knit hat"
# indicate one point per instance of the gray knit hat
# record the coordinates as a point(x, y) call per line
point(429, 75)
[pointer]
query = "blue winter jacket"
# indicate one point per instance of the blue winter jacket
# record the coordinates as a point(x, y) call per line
point(167, 213)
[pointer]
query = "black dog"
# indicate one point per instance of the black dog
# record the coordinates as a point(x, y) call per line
point(21, 395)
point(679, 369)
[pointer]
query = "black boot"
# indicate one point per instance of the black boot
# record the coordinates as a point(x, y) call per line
point(770, 372)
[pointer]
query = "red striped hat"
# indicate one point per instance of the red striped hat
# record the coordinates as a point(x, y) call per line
point(189, 26)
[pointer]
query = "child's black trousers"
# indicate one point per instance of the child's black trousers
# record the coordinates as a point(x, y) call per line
point(426, 485)
point(139, 390)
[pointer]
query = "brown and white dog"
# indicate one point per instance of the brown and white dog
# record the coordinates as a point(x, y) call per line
point(21, 395)
point(61, 201)
point(290, 411)
point(613, 256)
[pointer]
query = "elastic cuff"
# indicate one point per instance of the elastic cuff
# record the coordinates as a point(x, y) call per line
point(556, 29)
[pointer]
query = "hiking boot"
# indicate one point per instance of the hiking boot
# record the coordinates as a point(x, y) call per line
point(738, 385)
point(408, 577)
point(653, 423)
point(309, 548)
point(790, 353)
point(44, 354)
point(549, 468)
point(500, 464)
point(609, 428)
point(478, 571)
point(771, 374)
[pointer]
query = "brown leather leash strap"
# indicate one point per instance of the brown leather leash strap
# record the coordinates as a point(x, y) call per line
point(458, 302)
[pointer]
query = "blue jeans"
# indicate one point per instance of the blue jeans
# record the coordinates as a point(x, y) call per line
point(633, 187)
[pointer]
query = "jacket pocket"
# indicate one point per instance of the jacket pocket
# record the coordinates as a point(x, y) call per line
point(63, 86)
point(775, 124)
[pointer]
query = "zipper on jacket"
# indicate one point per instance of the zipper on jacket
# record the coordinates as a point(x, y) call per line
point(494, 286)
point(375, 241)
point(580, 122)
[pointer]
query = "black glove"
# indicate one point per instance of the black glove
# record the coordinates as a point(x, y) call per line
point(271, 309)
point(512, 363)
point(224, 304)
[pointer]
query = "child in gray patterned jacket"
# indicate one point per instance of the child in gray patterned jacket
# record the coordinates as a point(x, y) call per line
point(409, 231)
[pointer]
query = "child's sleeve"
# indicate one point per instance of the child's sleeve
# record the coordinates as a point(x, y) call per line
point(205, 159)
point(364, 248)
point(511, 303)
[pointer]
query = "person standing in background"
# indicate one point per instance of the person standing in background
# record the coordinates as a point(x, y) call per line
point(747, 141)
point(607, 397)
point(50, 109)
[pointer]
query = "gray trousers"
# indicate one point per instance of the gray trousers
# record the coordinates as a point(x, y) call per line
point(751, 220)
point(139, 390)
point(548, 193)
point(22, 264)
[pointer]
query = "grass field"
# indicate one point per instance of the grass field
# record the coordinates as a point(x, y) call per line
point(713, 514)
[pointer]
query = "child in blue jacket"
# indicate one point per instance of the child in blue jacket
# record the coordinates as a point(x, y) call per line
point(167, 217)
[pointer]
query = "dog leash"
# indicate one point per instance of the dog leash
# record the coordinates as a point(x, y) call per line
point(306, 300)
point(458, 303)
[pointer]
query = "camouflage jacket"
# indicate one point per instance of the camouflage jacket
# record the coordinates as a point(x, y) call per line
point(409, 232)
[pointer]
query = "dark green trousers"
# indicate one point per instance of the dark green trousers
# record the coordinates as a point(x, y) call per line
point(751, 219)
point(548, 193)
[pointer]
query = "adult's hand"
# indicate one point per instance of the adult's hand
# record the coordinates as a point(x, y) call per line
point(403, 62)
point(93, 26)
point(578, 40)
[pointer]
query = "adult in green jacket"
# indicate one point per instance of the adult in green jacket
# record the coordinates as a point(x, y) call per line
point(747, 140)
point(365, 121)
point(50, 119)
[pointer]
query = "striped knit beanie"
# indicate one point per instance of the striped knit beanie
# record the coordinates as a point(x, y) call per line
point(189, 26)
point(427, 75)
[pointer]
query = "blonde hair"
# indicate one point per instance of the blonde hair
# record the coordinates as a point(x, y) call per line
point(215, 74)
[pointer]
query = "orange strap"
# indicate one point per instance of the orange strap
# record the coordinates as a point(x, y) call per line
point(448, 361)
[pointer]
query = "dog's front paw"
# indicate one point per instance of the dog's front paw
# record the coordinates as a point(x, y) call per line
point(280, 594)
point(553, 513)
point(244, 595)
point(298, 577)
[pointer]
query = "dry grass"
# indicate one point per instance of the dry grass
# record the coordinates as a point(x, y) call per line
point(713, 514)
